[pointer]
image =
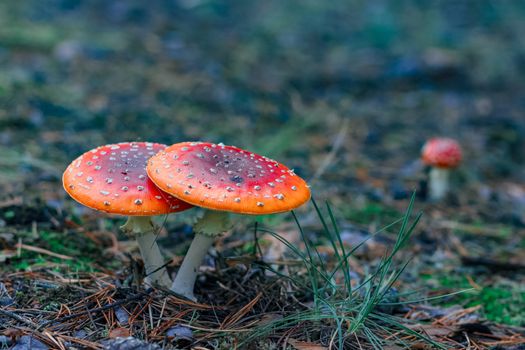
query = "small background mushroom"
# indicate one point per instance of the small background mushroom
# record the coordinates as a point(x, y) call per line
point(442, 155)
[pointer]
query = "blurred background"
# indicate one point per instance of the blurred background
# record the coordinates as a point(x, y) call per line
point(345, 92)
point(275, 77)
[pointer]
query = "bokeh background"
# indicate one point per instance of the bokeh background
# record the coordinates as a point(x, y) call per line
point(345, 92)
point(276, 77)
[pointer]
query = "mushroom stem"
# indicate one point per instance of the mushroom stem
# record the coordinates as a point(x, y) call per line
point(185, 279)
point(142, 228)
point(438, 183)
point(211, 225)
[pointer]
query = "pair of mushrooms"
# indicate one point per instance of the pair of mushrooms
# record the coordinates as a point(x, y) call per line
point(142, 179)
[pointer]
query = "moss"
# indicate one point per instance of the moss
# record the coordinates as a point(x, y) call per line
point(501, 302)
point(85, 253)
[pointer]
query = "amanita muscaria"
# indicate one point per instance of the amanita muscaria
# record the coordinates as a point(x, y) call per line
point(441, 154)
point(222, 179)
point(113, 179)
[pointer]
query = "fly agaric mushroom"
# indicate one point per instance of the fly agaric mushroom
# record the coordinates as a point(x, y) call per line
point(221, 179)
point(113, 179)
point(441, 154)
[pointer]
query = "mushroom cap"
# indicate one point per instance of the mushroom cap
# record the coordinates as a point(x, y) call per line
point(113, 179)
point(441, 152)
point(227, 178)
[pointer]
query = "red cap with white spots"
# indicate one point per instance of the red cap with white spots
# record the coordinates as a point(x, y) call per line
point(227, 178)
point(441, 152)
point(113, 179)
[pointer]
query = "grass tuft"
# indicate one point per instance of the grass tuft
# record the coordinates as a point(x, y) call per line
point(353, 312)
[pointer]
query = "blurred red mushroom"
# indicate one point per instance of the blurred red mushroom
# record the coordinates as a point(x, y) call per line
point(113, 179)
point(222, 179)
point(441, 154)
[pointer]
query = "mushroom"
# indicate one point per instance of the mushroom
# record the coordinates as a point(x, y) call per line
point(221, 179)
point(113, 179)
point(441, 154)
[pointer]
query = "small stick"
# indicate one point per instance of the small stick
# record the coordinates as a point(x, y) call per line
point(492, 264)
point(491, 231)
point(21, 246)
point(161, 312)
point(18, 318)
point(338, 142)
point(150, 316)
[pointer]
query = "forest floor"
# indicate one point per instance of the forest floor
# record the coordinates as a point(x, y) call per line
point(345, 99)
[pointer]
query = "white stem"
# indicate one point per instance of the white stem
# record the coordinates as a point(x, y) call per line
point(144, 231)
point(185, 279)
point(211, 225)
point(438, 184)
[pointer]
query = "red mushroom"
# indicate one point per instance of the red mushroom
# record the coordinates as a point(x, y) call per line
point(441, 154)
point(222, 179)
point(113, 179)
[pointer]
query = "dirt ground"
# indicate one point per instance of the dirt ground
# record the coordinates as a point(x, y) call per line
point(344, 92)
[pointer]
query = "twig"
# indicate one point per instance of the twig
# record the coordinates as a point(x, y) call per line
point(492, 264)
point(338, 142)
point(161, 312)
point(232, 319)
point(18, 318)
point(42, 251)
point(491, 231)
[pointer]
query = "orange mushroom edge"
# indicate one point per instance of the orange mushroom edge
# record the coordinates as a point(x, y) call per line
point(227, 178)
